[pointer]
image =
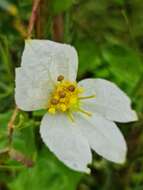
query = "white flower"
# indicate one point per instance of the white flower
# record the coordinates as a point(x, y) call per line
point(80, 116)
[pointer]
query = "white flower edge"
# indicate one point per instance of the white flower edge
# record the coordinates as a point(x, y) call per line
point(110, 101)
point(71, 141)
point(66, 141)
point(33, 88)
point(58, 58)
point(103, 136)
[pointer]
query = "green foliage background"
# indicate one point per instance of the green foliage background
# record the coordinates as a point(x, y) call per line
point(108, 35)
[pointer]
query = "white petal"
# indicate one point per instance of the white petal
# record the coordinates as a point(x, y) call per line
point(65, 140)
point(33, 88)
point(59, 59)
point(110, 101)
point(104, 137)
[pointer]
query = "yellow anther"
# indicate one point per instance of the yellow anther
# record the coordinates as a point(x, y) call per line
point(52, 110)
point(71, 88)
point(63, 107)
point(60, 78)
point(62, 100)
point(54, 101)
point(62, 94)
point(66, 98)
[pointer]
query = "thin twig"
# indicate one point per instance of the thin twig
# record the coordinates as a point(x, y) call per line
point(33, 17)
point(20, 157)
point(11, 124)
point(58, 28)
point(13, 153)
point(32, 20)
point(39, 21)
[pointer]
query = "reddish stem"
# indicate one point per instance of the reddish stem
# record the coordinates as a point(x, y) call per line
point(33, 16)
point(58, 28)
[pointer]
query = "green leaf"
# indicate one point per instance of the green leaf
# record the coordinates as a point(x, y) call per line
point(58, 6)
point(89, 57)
point(4, 119)
point(24, 138)
point(124, 63)
point(48, 173)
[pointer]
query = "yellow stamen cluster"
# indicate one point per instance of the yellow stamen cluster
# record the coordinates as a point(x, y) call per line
point(65, 96)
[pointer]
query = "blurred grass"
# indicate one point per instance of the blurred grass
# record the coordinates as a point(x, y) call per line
point(108, 35)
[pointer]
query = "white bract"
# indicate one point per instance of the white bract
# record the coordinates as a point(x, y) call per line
point(79, 116)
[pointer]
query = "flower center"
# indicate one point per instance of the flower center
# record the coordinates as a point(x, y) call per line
point(66, 97)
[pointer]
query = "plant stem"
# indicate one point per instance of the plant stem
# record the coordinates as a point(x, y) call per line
point(124, 14)
point(58, 28)
point(39, 23)
point(32, 20)
point(34, 14)
point(11, 124)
